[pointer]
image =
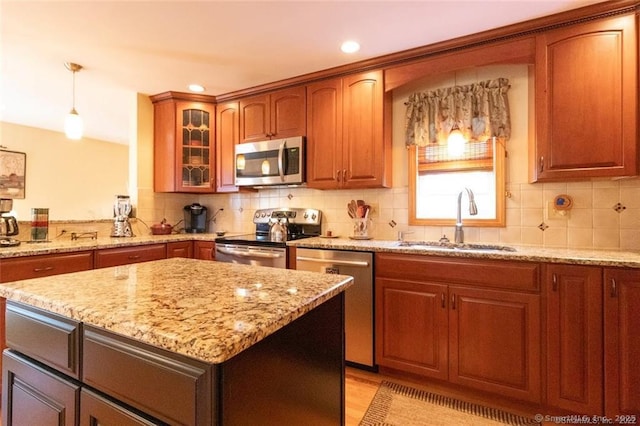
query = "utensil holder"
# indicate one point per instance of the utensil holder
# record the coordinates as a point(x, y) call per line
point(39, 224)
point(361, 227)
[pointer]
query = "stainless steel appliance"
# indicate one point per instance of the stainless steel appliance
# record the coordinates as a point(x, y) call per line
point(358, 310)
point(260, 248)
point(8, 224)
point(122, 209)
point(273, 162)
point(195, 218)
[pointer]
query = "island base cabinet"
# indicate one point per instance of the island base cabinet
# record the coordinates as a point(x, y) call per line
point(97, 410)
point(622, 345)
point(33, 395)
point(293, 377)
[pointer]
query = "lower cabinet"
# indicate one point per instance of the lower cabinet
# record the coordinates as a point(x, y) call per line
point(180, 249)
point(34, 395)
point(96, 410)
point(622, 344)
point(574, 338)
point(471, 322)
point(204, 250)
point(128, 255)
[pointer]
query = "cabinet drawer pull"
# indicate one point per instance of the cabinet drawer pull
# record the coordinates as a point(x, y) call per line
point(614, 288)
point(46, 268)
point(442, 299)
point(554, 280)
point(134, 257)
point(453, 301)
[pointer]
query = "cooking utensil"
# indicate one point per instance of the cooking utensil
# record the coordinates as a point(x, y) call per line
point(162, 228)
point(352, 209)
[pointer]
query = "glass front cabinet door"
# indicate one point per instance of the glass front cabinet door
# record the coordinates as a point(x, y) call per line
point(184, 143)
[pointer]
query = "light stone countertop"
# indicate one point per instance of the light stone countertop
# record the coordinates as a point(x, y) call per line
point(613, 258)
point(65, 245)
point(207, 310)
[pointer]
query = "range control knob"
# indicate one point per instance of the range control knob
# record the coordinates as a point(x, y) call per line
point(313, 216)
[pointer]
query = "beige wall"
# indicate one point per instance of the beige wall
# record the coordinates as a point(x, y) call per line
point(74, 179)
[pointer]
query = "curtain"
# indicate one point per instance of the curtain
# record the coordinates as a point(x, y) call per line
point(481, 111)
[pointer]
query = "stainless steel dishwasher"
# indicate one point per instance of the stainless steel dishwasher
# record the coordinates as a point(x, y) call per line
point(359, 345)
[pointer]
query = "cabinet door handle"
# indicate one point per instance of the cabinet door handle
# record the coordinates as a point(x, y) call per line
point(46, 268)
point(614, 288)
point(541, 164)
point(453, 301)
point(344, 175)
point(554, 280)
point(338, 175)
point(442, 299)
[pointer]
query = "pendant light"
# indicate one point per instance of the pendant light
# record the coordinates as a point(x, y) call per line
point(455, 141)
point(73, 122)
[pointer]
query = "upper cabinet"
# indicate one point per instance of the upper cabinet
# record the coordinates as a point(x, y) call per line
point(273, 115)
point(227, 137)
point(586, 101)
point(349, 132)
point(184, 142)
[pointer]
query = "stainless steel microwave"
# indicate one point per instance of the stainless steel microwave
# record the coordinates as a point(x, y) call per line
point(273, 162)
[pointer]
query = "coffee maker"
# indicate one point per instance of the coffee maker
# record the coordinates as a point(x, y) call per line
point(195, 219)
point(8, 224)
point(121, 210)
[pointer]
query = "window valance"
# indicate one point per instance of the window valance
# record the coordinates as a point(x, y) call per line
point(481, 111)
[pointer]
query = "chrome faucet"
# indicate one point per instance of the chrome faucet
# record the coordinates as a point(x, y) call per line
point(473, 210)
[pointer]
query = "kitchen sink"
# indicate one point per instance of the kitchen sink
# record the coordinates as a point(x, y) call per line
point(454, 246)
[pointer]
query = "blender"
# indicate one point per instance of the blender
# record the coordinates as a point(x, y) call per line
point(122, 209)
point(8, 224)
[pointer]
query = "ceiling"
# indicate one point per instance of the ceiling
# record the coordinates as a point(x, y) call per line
point(129, 47)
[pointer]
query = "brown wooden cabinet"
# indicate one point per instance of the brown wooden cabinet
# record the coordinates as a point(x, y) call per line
point(227, 137)
point(414, 331)
point(22, 268)
point(184, 142)
point(204, 250)
point(471, 322)
point(574, 337)
point(622, 345)
point(128, 255)
point(586, 101)
point(278, 114)
point(180, 249)
point(348, 138)
point(33, 395)
point(96, 409)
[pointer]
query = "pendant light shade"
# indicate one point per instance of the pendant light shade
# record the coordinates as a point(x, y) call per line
point(73, 126)
point(455, 142)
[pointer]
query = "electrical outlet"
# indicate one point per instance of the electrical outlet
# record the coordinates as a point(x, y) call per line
point(552, 213)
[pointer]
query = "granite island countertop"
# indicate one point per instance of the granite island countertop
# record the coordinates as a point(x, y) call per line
point(614, 258)
point(207, 310)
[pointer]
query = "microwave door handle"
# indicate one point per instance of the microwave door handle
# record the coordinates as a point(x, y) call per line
point(281, 159)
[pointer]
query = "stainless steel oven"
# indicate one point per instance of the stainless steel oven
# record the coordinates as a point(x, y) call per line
point(259, 248)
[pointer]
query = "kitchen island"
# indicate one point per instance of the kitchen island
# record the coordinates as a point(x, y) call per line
point(175, 341)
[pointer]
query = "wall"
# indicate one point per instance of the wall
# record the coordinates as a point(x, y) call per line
point(74, 179)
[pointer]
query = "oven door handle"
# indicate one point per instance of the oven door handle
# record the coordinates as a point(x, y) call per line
point(281, 159)
point(332, 261)
point(241, 253)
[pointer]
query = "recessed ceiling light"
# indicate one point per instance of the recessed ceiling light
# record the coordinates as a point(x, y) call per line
point(350, 46)
point(196, 88)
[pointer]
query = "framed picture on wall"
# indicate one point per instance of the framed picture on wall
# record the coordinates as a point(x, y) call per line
point(13, 168)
